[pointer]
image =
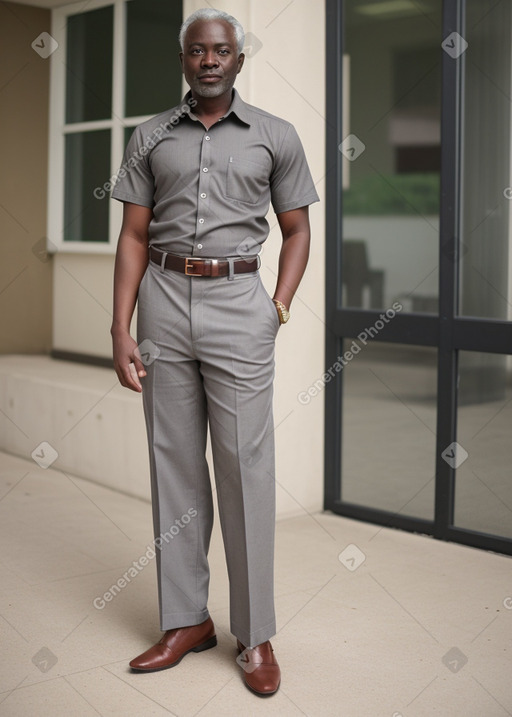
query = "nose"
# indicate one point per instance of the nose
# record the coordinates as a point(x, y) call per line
point(209, 59)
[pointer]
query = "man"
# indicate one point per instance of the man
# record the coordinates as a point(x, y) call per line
point(196, 187)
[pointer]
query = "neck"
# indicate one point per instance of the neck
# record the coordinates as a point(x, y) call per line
point(213, 106)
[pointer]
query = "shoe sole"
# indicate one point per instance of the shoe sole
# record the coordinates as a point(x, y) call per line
point(262, 694)
point(212, 642)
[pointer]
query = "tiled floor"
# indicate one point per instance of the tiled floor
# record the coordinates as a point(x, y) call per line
point(418, 628)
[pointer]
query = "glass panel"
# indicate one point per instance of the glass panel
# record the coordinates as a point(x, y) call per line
point(483, 486)
point(153, 71)
point(391, 150)
point(486, 251)
point(87, 168)
point(128, 131)
point(389, 427)
point(89, 65)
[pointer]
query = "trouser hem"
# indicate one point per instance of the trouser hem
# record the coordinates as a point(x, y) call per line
point(256, 637)
point(171, 621)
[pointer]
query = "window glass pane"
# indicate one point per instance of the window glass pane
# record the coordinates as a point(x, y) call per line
point(87, 167)
point(389, 427)
point(89, 65)
point(128, 131)
point(391, 154)
point(153, 71)
point(486, 249)
point(483, 484)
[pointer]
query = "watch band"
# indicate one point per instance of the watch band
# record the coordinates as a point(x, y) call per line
point(282, 311)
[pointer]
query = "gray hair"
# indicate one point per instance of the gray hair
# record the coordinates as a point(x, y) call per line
point(212, 14)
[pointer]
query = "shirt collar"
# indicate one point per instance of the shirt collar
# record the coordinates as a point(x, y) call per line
point(238, 107)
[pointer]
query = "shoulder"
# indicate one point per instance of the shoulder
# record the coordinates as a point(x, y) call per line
point(162, 122)
point(259, 115)
point(270, 124)
point(280, 133)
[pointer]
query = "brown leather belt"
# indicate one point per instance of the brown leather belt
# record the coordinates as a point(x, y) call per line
point(197, 266)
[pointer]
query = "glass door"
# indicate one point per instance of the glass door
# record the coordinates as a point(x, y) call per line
point(483, 481)
point(419, 267)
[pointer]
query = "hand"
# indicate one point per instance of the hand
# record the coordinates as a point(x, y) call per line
point(127, 360)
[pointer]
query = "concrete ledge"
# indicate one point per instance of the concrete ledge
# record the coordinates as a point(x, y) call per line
point(95, 426)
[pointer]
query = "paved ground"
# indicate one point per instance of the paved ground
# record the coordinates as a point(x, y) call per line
point(419, 627)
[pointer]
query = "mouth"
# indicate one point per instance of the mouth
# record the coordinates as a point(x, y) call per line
point(209, 78)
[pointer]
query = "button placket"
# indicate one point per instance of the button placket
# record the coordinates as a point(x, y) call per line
point(203, 191)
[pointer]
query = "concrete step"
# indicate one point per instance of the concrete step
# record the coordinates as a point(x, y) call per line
point(75, 417)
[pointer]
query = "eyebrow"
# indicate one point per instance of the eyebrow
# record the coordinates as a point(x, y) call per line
point(217, 44)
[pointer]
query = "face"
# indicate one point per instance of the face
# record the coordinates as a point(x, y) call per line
point(210, 59)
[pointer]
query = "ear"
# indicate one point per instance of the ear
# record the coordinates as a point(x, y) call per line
point(180, 55)
point(241, 58)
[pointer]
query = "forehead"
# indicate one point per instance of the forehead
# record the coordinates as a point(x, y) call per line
point(213, 32)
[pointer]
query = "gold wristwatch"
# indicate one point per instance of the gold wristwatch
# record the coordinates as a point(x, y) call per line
point(282, 311)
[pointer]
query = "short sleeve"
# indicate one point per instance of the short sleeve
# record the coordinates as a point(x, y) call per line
point(135, 182)
point(291, 184)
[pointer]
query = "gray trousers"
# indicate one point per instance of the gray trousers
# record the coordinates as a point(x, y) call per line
point(208, 345)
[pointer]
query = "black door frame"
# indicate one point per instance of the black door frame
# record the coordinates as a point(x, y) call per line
point(447, 332)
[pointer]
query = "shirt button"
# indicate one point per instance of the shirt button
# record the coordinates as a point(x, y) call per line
point(205, 169)
point(203, 195)
point(199, 246)
point(207, 137)
point(201, 221)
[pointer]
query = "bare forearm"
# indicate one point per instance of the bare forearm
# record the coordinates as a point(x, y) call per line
point(130, 265)
point(294, 253)
point(293, 260)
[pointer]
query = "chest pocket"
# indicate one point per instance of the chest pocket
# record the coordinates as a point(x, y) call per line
point(246, 181)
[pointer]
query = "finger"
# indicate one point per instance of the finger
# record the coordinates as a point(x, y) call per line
point(139, 367)
point(137, 360)
point(134, 377)
point(128, 380)
point(120, 376)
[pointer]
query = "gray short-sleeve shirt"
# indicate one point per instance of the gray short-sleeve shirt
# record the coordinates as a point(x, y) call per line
point(210, 190)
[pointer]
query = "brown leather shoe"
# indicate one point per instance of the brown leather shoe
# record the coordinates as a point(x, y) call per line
point(174, 645)
point(261, 670)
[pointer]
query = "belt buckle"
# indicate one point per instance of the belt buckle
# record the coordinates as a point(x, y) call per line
point(189, 265)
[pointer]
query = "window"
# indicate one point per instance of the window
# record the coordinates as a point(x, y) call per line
point(392, 103)
point(116, 65)
point(418, 422)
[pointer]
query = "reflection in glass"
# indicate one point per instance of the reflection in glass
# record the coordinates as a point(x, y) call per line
point(153, 71)
point(389, 426)
point(392, 90)
point(89, 66)
point(483, 484)
point(128, 131)
point(87, 167)
point(486, 249)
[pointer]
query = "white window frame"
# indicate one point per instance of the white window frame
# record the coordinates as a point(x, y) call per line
point(59, 129)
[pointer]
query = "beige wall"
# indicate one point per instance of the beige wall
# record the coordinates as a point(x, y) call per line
point(25, 279)
point(286, 76)
point(82, 306)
